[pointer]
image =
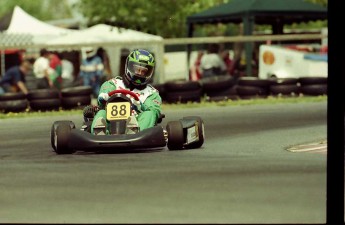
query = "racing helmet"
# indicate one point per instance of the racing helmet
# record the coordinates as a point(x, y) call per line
point(89, 52)
point(139, 68)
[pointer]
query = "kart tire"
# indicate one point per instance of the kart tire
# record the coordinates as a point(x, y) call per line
point(12, 96)
point(222, 98)
point(284, 89)
point(250, 97)
point(62, 135)
point(45, 104)
point(314, 89)
point(217, 83)
point(75, 101)
point(243, 90)
point(312, 80)
point(175, 135)
point(43, 94)
point(54, 127)
point(183, 96)
point(201, 132)
point(182, 85)
point(253, 81)
point(226, 92)
point(283, 81)
point(19, 105)
point(76, 91)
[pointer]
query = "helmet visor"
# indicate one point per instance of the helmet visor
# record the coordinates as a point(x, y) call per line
point(140, 70)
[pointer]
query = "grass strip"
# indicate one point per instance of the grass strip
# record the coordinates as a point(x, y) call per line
point(176, 106)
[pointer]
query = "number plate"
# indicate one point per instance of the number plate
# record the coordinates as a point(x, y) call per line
point(118, 110)
point(192, 134)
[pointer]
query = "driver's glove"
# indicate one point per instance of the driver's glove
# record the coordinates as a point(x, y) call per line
point(138, 106)
point(90, 111)
point(103, 97)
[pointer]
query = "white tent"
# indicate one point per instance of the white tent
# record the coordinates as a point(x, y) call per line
point(23, 23)
point(39, 34)
point(21, 30)
point(103, 34)
point(113, 39)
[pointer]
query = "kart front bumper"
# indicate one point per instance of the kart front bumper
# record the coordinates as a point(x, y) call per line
point(149, 138)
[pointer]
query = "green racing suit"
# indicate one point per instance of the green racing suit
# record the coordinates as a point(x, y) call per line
point(149, 97)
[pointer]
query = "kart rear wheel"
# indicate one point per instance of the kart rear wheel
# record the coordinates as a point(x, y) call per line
point(175, 135)
point(62, 138)
point(201, 132)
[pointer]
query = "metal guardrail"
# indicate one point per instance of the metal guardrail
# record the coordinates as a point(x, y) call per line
point(170, 41)
point(251, 38)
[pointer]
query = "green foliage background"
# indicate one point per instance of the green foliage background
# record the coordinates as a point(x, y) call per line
point(165, 18)
point(41, 9)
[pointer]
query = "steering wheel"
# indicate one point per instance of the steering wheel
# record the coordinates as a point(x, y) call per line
point(125, 92)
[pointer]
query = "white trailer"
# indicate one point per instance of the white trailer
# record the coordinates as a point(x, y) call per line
point(291, 62)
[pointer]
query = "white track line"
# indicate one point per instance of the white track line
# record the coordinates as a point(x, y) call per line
point(294, 149)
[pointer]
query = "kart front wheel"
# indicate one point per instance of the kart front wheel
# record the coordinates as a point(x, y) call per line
point(175, 135)
point(62, 138)
point(53, 130)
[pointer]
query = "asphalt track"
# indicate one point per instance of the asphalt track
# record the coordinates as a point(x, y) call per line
point(242, 174)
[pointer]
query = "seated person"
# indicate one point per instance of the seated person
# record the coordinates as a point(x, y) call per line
point(139, 69)
point(14, 78)
point(211, 63)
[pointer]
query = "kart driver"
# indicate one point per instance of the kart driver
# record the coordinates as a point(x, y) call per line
point(139, 68)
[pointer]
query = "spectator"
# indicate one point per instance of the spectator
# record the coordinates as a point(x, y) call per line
point(46, 75)
point(55, 63)
point(91, 70)
point(67, 69)
point(211, 63)
point(14, 78)
point(195, 72)
point(228, 62)
point(102, 53)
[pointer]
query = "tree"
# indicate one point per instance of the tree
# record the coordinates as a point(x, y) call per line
point(165, 18)
point(41, 9)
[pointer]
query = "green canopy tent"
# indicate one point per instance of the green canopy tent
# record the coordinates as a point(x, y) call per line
point(276, 13)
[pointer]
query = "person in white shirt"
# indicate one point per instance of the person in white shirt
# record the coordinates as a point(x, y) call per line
point(211, 63)
point(42, 71)
point(67, 69)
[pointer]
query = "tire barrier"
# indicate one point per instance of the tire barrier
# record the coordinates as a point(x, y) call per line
point(43, 94)
point(284, 87)
point(44, 99)
point(161, 89)
point(285, 90)
point(182, 85)
point(314, 89)
point(45, 104)
point(12, 96)
point(182, 91)
point(313, 86)
point(183, 96)
point(246, 92)
point(312, 80)
point(219, 88)
point(13, 102)
point(254, 82)
point(253, 87)
point(76, 97)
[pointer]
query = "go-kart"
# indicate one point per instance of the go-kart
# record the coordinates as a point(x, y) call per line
point(186, 133)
